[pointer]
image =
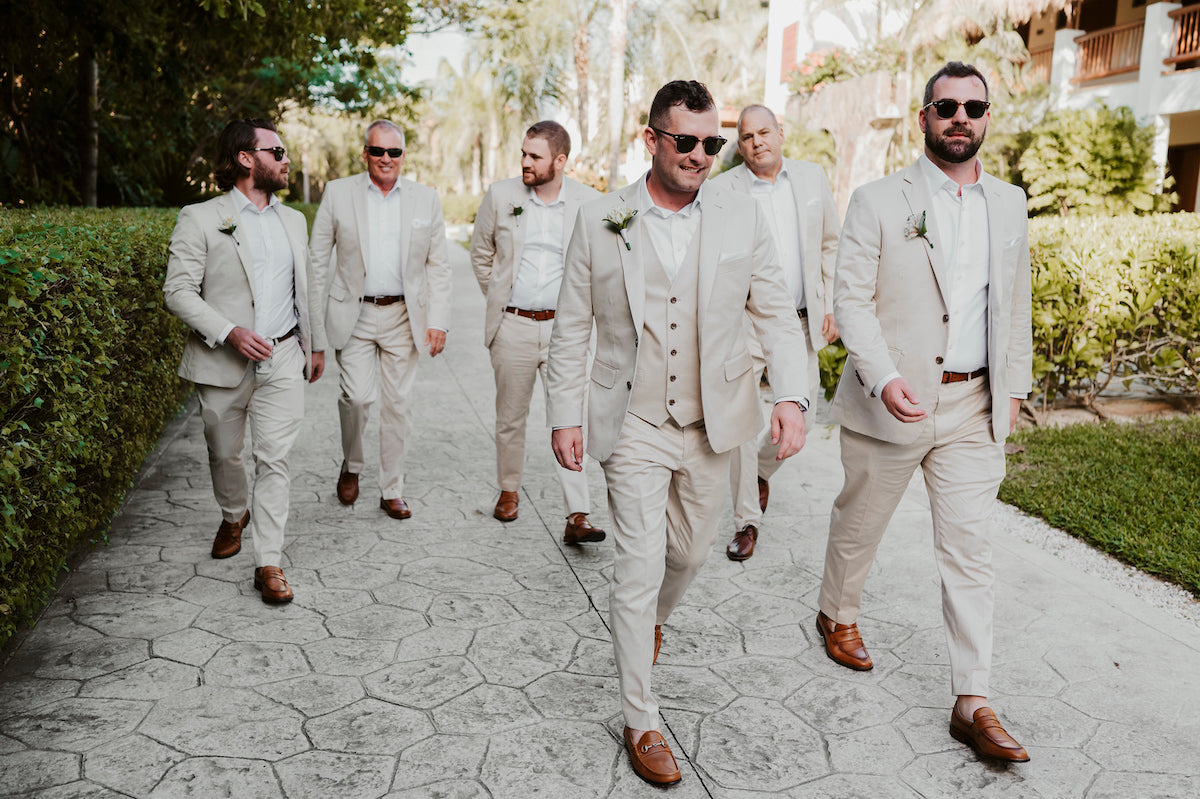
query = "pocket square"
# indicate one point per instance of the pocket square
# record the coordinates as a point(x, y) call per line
point(734, 256)
point(421, 223)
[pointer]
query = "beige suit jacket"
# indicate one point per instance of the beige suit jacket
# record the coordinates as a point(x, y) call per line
point(340, 244)
point(738, 275)
point(209, 285)
point(499, 240)
point(819, 231)
point(891, 303)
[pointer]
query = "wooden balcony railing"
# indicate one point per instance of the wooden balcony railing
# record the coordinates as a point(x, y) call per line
point(1109, 52)
point(1039, 65)
point(1185, 36)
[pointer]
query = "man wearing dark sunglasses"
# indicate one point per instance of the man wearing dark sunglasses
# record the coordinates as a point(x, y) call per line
point(668, 269)
point(239, 276)
point(932, 298)
point(388, 292)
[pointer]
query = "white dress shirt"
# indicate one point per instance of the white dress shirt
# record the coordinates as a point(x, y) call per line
point(272, 265)
point(385, 255)
point(539, 273)
point(669, 232)
point(784, 220)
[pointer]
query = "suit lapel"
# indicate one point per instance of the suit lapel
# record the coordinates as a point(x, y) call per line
point(358, 199)
point(407, 212)
point(712, 237)
point(996, 281)
point(809, 218)
point(917, 200)
point(633, 271)
point(227, 209)
point(520, 198)
point(297, 233)
point(570, 211)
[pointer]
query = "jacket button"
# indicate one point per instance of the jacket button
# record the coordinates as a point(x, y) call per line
point(672, 378)
point(939, 359)
point(629, 386)
point(946, 317)
point(670, 402)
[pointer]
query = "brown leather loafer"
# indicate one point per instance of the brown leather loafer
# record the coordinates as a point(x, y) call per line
point(229, 537)
point(986, 736)
point(396, 508)
point(347, 488)
point(742, 545)
point(273, 585)
point(651, 758)
point(506, 506)
point(579, 530)
point(657, 642)
point(764, 493)
point(843, 644)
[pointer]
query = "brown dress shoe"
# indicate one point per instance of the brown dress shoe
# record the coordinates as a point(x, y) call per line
point(651, 758)
point(579, 529)
point(742, 545)
point(229, 537)
point(347, 488)
point(986, 736)
point(506, 506)
point(273, 585)
point(764, 493)
point(657, 642)
point(396, 508)
point(843, 644)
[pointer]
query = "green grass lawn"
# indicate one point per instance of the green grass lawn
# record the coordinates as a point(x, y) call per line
point(1130, 489)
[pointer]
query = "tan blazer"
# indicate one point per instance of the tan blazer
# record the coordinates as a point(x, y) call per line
point(891, 304)
point(340, 237)
point(209, 286)
point(499, 240)
point(738, 275)
point(819, 230)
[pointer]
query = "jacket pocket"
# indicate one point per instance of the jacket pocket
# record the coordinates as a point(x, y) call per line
point(603, 374)
point(738, 365)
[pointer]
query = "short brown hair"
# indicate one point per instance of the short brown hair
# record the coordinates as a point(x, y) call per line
point(691, 94)
point(954, 69)
point(554, 134)
point(238, 136)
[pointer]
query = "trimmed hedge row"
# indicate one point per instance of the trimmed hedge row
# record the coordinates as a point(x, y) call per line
point(87, 380)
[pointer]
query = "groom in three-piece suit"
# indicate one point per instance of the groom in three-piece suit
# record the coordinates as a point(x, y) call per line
point(932, 298)
point(671, 392)
point(239, 277)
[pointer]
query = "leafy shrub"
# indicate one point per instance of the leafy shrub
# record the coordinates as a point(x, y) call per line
point(819, 68)
point(460, 208)
point(87, 379)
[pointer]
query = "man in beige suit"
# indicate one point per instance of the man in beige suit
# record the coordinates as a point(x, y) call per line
point(389, 291)
point(804, 224)
point(239, 277)
point(932, 298)
point(521, 234)
point(668, 268)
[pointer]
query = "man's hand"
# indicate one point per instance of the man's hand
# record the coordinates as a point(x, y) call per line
point(318, 367)
point(901, 402)
point(568, 447)
point(435, 340)
point(249, 343)
point(1014, 413)
point(829, 329)
point(787, 429)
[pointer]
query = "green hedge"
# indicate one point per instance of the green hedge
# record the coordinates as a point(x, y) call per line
point(87, 379)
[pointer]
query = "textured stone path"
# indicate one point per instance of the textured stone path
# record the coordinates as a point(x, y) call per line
point(451, 656)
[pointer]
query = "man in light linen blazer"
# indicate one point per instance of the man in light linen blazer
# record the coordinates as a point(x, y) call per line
point(239, 277)
point(932, 299)
point(520, 239)
point(804, 221)
point(388, 293)
point(671, 392)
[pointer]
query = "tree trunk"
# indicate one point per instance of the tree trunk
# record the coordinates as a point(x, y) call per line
point(616, 89)
point(583, 57)
point(477, 164)
point(89, 130)
point(8, 91)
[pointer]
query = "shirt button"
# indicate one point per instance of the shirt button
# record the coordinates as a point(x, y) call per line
point(939, 359)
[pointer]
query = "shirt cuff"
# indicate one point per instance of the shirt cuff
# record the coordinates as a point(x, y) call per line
point(1019, 396)
point(225, 333)
point(877, 389)
point(801, 401)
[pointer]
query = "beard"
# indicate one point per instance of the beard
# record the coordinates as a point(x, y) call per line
point(266, 179)
point(534, 178)
point(953, 151)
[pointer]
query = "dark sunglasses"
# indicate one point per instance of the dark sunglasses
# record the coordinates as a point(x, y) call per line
point(685, 144)
point(948, 108)
point(394, 152)
point(278, 152)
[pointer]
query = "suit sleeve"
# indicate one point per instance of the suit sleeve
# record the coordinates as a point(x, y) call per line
point(186, 261)
point(483, 240)
point(1020, 341)
point(830, 232)
point(854, 289)
point(320, 255)
point(566, 382)
point(438, 272)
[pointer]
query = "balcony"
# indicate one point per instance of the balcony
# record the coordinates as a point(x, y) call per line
point(1109, 52)
point(1040, 62)
point(1185, 38)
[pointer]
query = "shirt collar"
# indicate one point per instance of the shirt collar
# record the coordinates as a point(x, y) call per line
point(939, 180)
point(536, 200)
point(782, 174)
point(647, 204)
point(242, 202)
point(372, 187)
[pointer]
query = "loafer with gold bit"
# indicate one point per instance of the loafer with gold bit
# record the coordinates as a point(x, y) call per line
point(229, 538)
point(273, 585)
point(985, 735)
point(651, 758)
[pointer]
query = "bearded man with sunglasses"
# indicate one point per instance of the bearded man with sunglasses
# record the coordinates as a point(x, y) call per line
point(239, 277)
point(388, 294)
point(932, 298)
point(668, 268)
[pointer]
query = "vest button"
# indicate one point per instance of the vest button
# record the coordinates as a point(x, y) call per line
point(672, 378)
point(674, 300)
point(674, 352)
point(939, 359)
point(946, 317)
point(670, 402)
point(673, 325)
point(628, 386)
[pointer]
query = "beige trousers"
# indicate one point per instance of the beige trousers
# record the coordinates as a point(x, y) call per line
point(271, 397)
point(665, 492)
point(379, 361)
point(963, 468)
point(756, 458)
point(519, 353)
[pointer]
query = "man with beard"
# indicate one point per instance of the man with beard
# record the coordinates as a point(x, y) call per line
point(389, 292)
point(521, 233)
point(238, 275)
point(932, 298)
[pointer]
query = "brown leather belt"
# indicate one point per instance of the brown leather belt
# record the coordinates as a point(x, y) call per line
point(284, 337)
point(802, 312)
point(537, 316)
point(959, 377)
point(385, 300)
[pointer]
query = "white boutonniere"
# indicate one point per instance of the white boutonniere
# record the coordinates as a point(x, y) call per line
point(914, 228)
point(618, 221)
point(228, 226)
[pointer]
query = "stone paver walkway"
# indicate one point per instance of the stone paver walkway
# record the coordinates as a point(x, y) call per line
point(452, 656)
